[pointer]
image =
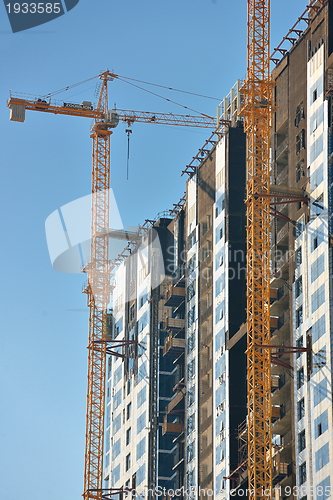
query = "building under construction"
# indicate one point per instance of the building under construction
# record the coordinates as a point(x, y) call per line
point(190, 320)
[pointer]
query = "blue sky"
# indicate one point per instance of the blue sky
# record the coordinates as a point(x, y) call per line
point(195, 45)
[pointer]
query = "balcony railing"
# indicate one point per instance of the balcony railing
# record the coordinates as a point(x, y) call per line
point(174, 324)
point(175, 295)
point(172, 427)
point(176, 403)
point(173, 346)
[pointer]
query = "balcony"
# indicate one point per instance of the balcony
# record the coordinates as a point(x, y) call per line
point(171, 428)
point(279, 300)
point(174, 324)
point(282, 236)
point(177, 403)
point(276, 410)
point(280, 471)
point(173, 347)
point(281, 424)
point(286, 439)
point(282, 178)
point(274, 382)
point(175, 294)
point(281, 148)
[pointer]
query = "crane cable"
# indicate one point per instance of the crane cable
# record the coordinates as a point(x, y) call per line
point(128, 132)
point(124, 79)
point(166, 99)
point(168, 88)
point(69, 87)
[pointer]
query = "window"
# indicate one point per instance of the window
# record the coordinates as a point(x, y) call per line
point(299, 316)
point(192, 264)
point(128, 436)
point(129, 384)
point(320, 392)
point(117, 399)
point(219, 232)
point(299, 114)
point(143, 321)
point(116, 424)
point(299, 226)
point(299, 256)
point(190, 452)
point(140, 448)
point(300, 141)
point(190, 424)
point(191, 239)
point(317, 268)
point(299, 170)
point(141, 422)
point(302, 473)
point(298, 287)
point(322, 457)
point(128, 411)
point(191, 316)
point(141, 473)
point(301, 441)
point(318, 298)
point(116, 449)
point(219, 259)
point(317, 206)
point(132, 312)
point(321, 424)
point(300, 409)
point(219, 312)
point(141, 397)
point(319, 359)
point(118, 327)
point(317, 177)
point(323, 489)
point(128, 462)
point(300, 377)
point(219, 206)
point(220, 285)
point(190, 289)
point(115, 475)
point(316, 148)
point(318, 328)
point(190, 396)
point(318, 237)
point(299, 343)
point(191, 369)
point(314, 95)
point(117, 375)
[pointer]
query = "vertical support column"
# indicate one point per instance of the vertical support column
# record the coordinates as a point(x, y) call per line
point(257, 111)
point(99, 294)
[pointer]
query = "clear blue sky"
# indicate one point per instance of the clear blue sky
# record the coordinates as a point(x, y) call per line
point(196, 45)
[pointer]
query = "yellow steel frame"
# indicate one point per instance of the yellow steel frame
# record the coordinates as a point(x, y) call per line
point(99, 296)
point(257, 111)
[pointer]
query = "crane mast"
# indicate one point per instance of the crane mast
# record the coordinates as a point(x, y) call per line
point(257, 112)
point(98, 291)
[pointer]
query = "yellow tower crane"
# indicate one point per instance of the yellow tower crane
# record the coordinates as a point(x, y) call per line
point(98, 288)
point(257, 111)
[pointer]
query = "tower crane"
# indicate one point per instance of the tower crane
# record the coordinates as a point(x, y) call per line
point(257, 111)
point(98, 288)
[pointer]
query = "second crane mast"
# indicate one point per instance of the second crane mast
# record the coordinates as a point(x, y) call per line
point(257, 111)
